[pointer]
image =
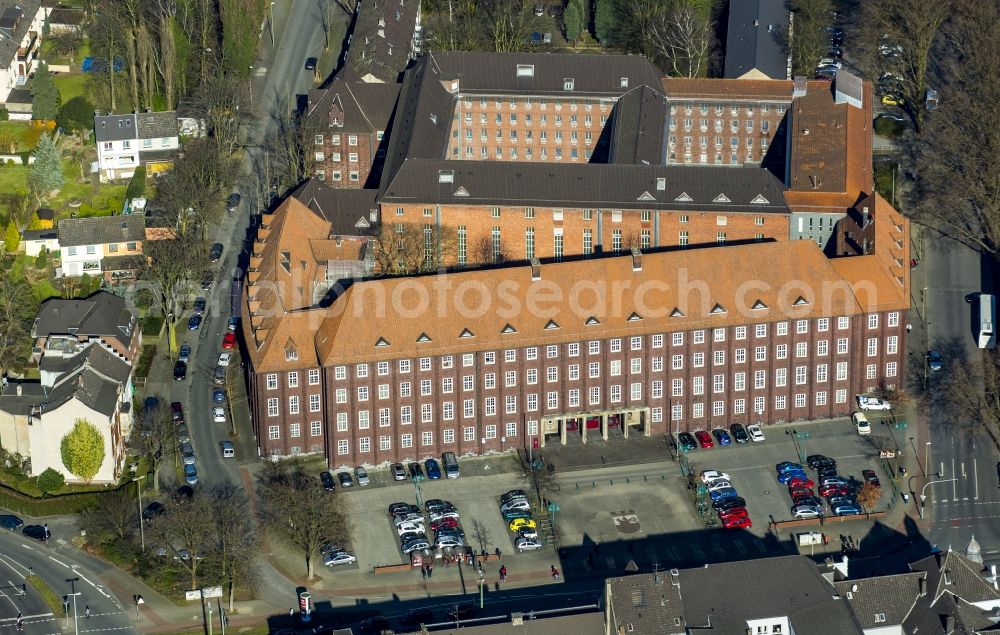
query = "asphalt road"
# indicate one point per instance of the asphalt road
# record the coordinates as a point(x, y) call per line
point(966, 499)
point(57, 564)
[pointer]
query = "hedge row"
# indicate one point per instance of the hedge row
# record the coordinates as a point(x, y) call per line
point(54, 505)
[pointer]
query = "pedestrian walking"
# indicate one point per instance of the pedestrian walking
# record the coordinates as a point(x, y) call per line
point(482, 574)
point(423, 571)
point(498, 552)
point(430, 571)
point(503, 573)
point(909, 327)
point(86, 611)
point(47, 534)
point(555, 573)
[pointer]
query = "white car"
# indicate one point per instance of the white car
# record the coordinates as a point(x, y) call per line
point(520, 504)
point(873, 403)
point(403, 528)
point(806, 511)
point(713, 475)
point(527, 544)
point(527, 533)
point(444, 514)
point(861, 423)
point(219, 414)
point(343, 557)
point(409, 517)
point(718, 484)
point(448, 541)
point(756, 434)
point(224, 359)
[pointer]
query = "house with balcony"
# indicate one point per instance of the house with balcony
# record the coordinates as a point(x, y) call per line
point(125, 142)
point(109, 246)
point(20, 39)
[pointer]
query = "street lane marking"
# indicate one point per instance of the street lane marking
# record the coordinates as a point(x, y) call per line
point(975, 476)
point(26, 617)
point(4, 558)
point(59, 562)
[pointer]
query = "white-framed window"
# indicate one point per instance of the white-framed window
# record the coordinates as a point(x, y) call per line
point(801, 375)
point(841, 371)
point(490, 381)
point(872, 348)
point(491, 431)
point(615, 368)
point(615, 393)
point(293, 379)
point(890, 369)
point(843, 322)
point(615, 345)
point(362, 393)
point(760, 330)
point(891, 345)
point(295, 430)
point(405, 389)
point(698, 337)
point(405, 415)
point(531, 376)
point(362, 371)
point(718, 383)
point(425, 364)
point(468, 359)
point(676, 339)
point(780, 377)
point(677, 388)
point(425, 388)
point(365, 444)
point(468, 382)
point(341, 422)
point(656, 364)
point(677, 362)
point(364, 420)
point(718, 408)
point(447, 385)
point(427, 437)
point(468, 408)
point(594, 396)
point(551, 351)
point(676, 412)
point(741, 333)
point(841, 396)
point(873, 320)
point(551, 374)
point(490, 406)
point(802, 349)
point(426, 413)
point(698, 410)
point(511, 429)
point(635, 343)
point(871, 371)
point(781, 328)
point(759, 404)
point(594, 347)
point(740, 355)
point(657, 415)
point(594, 370)
point(779, 402)
point(406, 440)
point(448, 411)
point(698, 360)
point(510, 404)
point(510, 355)
point(574, 398)
point(821, 373)
point(447, 362)
point(739, 406)
point(718, 335)
point(892, 319)
point(293, 405)
point(573, 349)
point(272, 381)
point(384, 418)
point(316, 428)
point(802, 326)
point(697, 385)
point(781, 351)
point(718, 358)
point(448, 436)
point(800, 400)
point(823, 324)
point(313, 403)
point(469, 434)
point(531, 353)
point(490, 357)
point(313, 376)
point(823, 347)
point(656, 389)
point(384, 443)
point(759, 379)
point(343, 446)
point(740, 381)
point(760, 353)
point(273, 432)
point(404, 365)
point(841, 345)
point(531, 402)
point(340, 373)
point(657, 341)
point(821, 398)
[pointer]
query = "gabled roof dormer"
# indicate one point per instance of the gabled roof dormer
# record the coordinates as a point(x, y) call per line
point(634, 317)
point(551, 324)
point(461, 191)
point(721, 198)
point(759, 304)
point(760, 200)
point(423, 338)
point(646, 196)
point(591, 321)
point(507, 329)
point(676, 313)
point(381, 342)
point(717, 309)
point(466, 333)
point(683, 197)
point(800, 301)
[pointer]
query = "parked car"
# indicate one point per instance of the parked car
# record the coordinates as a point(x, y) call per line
point(728, 503)
point(397, 471)
point(525, 532)
point(227, 449)
point(182, 433)
point(403, 528)
point(37, 532)
point(215, 252)
point(809, 501)
point(326, 478)
point(725, 492)
point(176, 412)
point(190, 475)
point(448, 541)
point(739, 433)
point(311, 63)
point(219, 376)
point(873, 403)
point(806, 511)
point(408, 517)
point(846, 510)
point(799, 492)
point(12, 522)
point(224, 359)
point(416, 470)
point(233, 202)
point(521, 523)
point(834, 480)
point(786, 477)
point(414, 545)
point(185, 353)
point(437, 505)
point(713, 475)
point(443, 523)
point(871, 478)
point(218, 395)
point(934, 361)
point(194, 323)
point(187, 454)
point(737, 522)
point(361, 475)
point(515, 513)
point(433, 469)
point(722, 436)
point(815, 461)
point(717, 485)
point(229, 340)
point(734, 512)
point(512, 494)
point(180, 370)
point(402, 508)
point(207, 280)
point(828, 491)
point(786, 466)
point(517, 503)
point(842, 499)
point(342, 557)
point(861, 423)
point(704, 439)
point(219, 414)
point(798, 481)
point(756, 434)
point(527, 544)
point(453, 513)
point(345, 479)
point(686, 442)
point(826, 470)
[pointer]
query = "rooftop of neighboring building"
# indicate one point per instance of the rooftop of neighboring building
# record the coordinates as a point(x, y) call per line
point(39, 234)
point(724, 89)
point(95, 357)
point(754, 39)
point(96, 385)
point(350, 212)
point(588, 621)
point(883, 600)
point(649, 604)
point(637, 136)
point(101, 230)
point(357, 106)
point(380, 43)
point(101, 315)
point(15, 21)
point(143, 125)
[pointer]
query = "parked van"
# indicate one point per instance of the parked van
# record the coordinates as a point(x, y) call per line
point(228, 451)
point(450, 464)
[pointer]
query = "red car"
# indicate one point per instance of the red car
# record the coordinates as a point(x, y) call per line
point(441, 523)
point(833, 490)
point(229, 340)
point(870, 478)
point(739, 522)
point(795, 492)
point(801, 482)
point(704, 439)
point(735, 512)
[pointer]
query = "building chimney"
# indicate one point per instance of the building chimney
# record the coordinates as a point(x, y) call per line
point(947, 578)
point(636, 259)
point(798, 87)
point(536, 269)
point(949, 624)
point(922, 587)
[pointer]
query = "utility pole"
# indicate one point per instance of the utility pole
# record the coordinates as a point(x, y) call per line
point(142, 534)
point(73, 593)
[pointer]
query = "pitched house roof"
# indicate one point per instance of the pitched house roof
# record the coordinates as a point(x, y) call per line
point(883, 600)
point(15, 20)
point(792, 586)
point(639, 121)
point(534, 623)
point(356, 106)
point(94, 356)
point(728, 89)
point(101, 315)
point(648, 604)
point(101, 230)
point(381, 41)
point(154, 125)
point(350, 212)
point(143, 125)
point(754, 38)
point(588, 185)
point(114, 127)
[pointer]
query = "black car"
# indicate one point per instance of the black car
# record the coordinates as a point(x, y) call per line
point(327, 479)
point(728, 503)
point(815, 461)
point(417, 617)
point(215, 252)
point(463, 610)
point(153, 510)
point(180, 370)
point(436, 505)
point(739, 433)
point(233, 202)
point(813, 501)
point(199, 305)
point(311, 63)
point(11, 522)
point(416, 470)
point(37, 532)
point(375, 624)
point(686, 441)
point(184, 493)
point(825, 471)
point(403, 508)
point(513, 494)
point(345, 479)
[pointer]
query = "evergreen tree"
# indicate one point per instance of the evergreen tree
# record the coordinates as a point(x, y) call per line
point(11, 238)
point(605, 20)
point(573, 21)
point(76, 115)
point(46, 172)
point(44, 95)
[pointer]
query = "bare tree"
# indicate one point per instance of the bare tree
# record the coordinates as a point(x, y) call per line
point(539, 477)
point(807, 42)
point(485, 250)
point(869, 496)
point(17, 311)
point(290, 142)
point(116, 513)
point(236, 533)
point(166, 62)
point(172, 269)
point(191, 193)
point(405, 249)
point(66, 42)
point(481, 534)
point(155, 437)
point(682, 37)
point(509, 23)
point(223, 103)
point(188, 532)
point(296, 508)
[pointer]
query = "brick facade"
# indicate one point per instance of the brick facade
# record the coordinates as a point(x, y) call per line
point(346, 159)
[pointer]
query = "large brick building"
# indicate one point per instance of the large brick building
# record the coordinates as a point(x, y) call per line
point(379, 370)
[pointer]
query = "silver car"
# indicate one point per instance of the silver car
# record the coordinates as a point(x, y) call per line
point(527, 544)
point(520, 505)
point(415, 545)
point(361, 474)
point(187, 453)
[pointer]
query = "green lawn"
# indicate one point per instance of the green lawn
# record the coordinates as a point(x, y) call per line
point(14, 178)
point(70, 85)
point(22, 133)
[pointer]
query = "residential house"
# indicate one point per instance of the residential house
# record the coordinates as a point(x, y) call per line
point(20, 39)
point(35, 240)
point(125, 142)
point(65, 19)
point(94, 385)
point(755, 40)
point(110, 246)
point(65, 324)
point(386, 36)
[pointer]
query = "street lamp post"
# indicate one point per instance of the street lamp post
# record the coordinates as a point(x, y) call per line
point(270, 24)
point(138, 486)
point(73, 594)
point(250, 83)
